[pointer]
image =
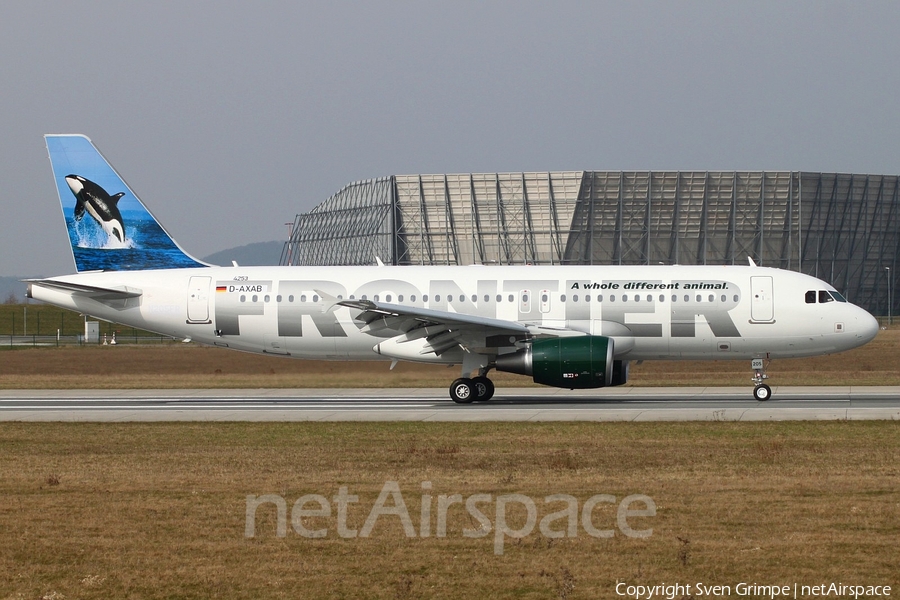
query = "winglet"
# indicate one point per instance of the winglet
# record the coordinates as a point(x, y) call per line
point(750, 259)
point(109, 228)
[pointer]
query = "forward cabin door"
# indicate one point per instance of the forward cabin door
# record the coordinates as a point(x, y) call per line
point(762, 301)
point(198, 300)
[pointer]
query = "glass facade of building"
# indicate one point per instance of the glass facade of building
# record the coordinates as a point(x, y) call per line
point(843, 228)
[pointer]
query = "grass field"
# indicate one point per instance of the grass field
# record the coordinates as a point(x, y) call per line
point(177, 365)
point(159, 510)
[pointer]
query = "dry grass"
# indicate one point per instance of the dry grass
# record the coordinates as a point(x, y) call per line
point(190, 366)
point(158, 510)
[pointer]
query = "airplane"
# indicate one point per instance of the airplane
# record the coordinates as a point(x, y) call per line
point(570, 326)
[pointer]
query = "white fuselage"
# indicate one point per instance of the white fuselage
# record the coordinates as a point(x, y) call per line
point(664, 312)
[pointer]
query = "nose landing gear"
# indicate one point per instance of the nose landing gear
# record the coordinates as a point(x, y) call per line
point(761, 391)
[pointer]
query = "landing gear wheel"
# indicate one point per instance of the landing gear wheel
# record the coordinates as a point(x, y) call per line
point(484, 389)
point(463, 391)
point(762, 392)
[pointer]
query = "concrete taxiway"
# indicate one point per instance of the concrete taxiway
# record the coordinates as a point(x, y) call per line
point(522, 404)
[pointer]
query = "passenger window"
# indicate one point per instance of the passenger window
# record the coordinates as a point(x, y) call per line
point(811, 297)
point(825, 297)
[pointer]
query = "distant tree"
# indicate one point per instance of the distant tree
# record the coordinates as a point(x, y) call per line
point(11, 298)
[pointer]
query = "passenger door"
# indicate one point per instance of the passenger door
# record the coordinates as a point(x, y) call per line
point(762, 300)
point(198, 300)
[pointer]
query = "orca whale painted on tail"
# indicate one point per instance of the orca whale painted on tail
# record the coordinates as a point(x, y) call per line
point(93, 199)
point(83, 181)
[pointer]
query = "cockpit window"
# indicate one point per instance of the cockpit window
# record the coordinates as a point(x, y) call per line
point(823, 296)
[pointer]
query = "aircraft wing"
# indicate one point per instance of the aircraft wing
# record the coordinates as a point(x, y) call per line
point(443, 330)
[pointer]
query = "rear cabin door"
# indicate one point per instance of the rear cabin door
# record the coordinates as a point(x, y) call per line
point(198, 300)
point(762, 301)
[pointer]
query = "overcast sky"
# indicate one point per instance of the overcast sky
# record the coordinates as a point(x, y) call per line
point(228, 119)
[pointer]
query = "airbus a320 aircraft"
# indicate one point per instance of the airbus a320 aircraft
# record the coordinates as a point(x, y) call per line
point(564, 326)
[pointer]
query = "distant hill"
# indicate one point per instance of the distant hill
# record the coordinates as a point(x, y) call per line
point(258, 254)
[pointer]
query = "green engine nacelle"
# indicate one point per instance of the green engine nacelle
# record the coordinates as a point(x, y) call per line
point(570, 362)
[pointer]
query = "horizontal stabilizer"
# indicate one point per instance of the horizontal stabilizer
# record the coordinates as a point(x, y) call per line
point(101, 294)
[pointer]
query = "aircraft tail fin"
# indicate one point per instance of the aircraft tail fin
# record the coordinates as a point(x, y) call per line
point(109, 227)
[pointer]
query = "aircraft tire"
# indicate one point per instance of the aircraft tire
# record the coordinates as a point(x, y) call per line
point(463, 391)
point(484, 389)
point(762, 392)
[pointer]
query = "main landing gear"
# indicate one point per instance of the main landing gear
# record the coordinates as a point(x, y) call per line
point(761, 392)
point(465, 390)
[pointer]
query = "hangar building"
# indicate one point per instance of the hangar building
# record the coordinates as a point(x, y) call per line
point(841, 227)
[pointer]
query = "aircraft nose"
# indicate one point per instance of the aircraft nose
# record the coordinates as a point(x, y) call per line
point(867, 327)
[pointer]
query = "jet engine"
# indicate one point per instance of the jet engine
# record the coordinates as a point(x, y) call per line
point(568, 362)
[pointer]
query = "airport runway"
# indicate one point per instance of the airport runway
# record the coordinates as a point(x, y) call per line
point(521, 404)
